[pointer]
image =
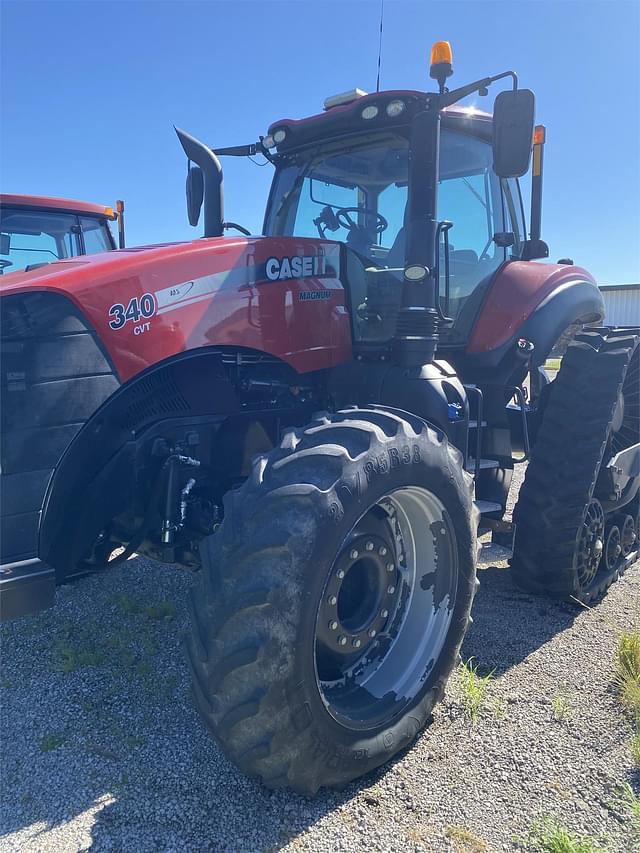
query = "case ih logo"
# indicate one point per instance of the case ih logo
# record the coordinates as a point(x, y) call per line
point(295, 267)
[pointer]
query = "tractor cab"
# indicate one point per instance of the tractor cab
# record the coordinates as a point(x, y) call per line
point(344, 175)
point(422, 193)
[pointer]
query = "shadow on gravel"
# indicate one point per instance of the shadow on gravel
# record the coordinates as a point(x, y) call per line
point(106, 752)
point(508, 624)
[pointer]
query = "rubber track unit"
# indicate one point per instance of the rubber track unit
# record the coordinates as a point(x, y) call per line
point(561, 477)
point(253, 606)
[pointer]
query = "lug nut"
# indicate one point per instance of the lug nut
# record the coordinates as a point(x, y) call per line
point(391, 590)
point(372, 632)
point(353, 554)
point(370, 546)
point(332, 600)
point(391, 567)
point(384, 613)
point(342, 641)
point(382, 551)
point(333, 625)
point(340, 574)
point(356, 643)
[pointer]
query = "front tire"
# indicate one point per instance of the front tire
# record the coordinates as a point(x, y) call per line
point(334, 599)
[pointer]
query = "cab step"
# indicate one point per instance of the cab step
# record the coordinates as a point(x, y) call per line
point(484, 464)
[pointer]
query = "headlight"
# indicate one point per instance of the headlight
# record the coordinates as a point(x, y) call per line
point(416, 272)
point(395, 108)
point(279, 135)
point(268, 141)
point(369, 112)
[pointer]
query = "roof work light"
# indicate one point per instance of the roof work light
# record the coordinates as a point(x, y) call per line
point(441, 62)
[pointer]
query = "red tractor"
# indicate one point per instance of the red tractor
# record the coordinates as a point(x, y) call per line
point(36, 230)
point(317, 421)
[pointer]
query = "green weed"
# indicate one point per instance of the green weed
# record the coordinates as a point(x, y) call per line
point(561, 707)
point(628, 670)
point(163, 611)
point(548, 836)
point(474, 688)
point(51, 741)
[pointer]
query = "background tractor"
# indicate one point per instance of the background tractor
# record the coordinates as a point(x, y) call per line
point(36, 230)
point(318, 420)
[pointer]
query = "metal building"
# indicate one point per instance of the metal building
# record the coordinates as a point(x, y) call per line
point(622, 304)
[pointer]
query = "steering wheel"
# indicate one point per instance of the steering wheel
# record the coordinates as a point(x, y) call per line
point(343, 215)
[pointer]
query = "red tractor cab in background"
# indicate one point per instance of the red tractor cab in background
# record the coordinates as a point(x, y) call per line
point(37, 230)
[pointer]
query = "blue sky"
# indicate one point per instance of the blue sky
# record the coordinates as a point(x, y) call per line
point(90, 91)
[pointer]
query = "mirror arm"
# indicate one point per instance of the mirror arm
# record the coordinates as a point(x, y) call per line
point(245, 151)
point(456, 95)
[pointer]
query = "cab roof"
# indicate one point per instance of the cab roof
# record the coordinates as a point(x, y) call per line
point(44, 202)
point(346, 119)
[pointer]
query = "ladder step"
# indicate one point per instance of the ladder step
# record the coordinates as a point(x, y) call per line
point(484, 463)
point(488, 506)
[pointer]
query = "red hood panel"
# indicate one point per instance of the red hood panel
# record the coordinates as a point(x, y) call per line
point(515, 293)
point(277, 295)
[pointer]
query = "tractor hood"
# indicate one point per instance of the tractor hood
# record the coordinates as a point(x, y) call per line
point(271, 294)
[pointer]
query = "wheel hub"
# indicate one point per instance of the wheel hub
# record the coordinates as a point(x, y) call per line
point(613, 547)
point(628, 535)
point(361, 594)
point(590, 543)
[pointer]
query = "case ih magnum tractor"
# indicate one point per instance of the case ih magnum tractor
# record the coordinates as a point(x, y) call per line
point(318, 419)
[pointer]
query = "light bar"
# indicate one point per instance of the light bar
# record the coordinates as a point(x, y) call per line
point(343, 98)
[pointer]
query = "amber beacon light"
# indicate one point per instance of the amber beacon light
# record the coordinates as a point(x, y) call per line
point(441, 62)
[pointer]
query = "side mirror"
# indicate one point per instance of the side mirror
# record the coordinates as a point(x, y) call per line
point(195, 194)
point(513, 122)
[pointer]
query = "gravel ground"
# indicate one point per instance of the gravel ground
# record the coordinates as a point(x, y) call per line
point(102, 749)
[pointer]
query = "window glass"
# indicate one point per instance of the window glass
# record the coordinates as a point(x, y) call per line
point(514, 212)
point(35, 237)
point(96, 238)
point(469, 196)
point(309, 193)
point(392, 203)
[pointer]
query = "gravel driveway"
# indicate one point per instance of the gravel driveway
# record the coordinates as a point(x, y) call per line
point(102, 749)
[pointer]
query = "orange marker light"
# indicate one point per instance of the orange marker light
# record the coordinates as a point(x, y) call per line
point(539, 134)
point(108, 212)
point(441, 52)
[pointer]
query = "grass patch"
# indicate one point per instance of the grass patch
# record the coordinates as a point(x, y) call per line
point(473, 688)
point(465, 841)
point(549, 836)
point(628, 804)
point(51, 741)
point(628, 671)
point(561, 707)
point(635, 745)
point(70, 657)
point(163, 611)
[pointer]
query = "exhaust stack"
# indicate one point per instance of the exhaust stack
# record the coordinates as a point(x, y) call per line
point(204, 180)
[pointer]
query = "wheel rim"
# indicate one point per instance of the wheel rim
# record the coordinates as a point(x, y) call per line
point(628, 535)
point(386, 609)
point(590, 543)
point(612, 548)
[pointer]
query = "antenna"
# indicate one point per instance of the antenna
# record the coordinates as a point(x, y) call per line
point(380, 45)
